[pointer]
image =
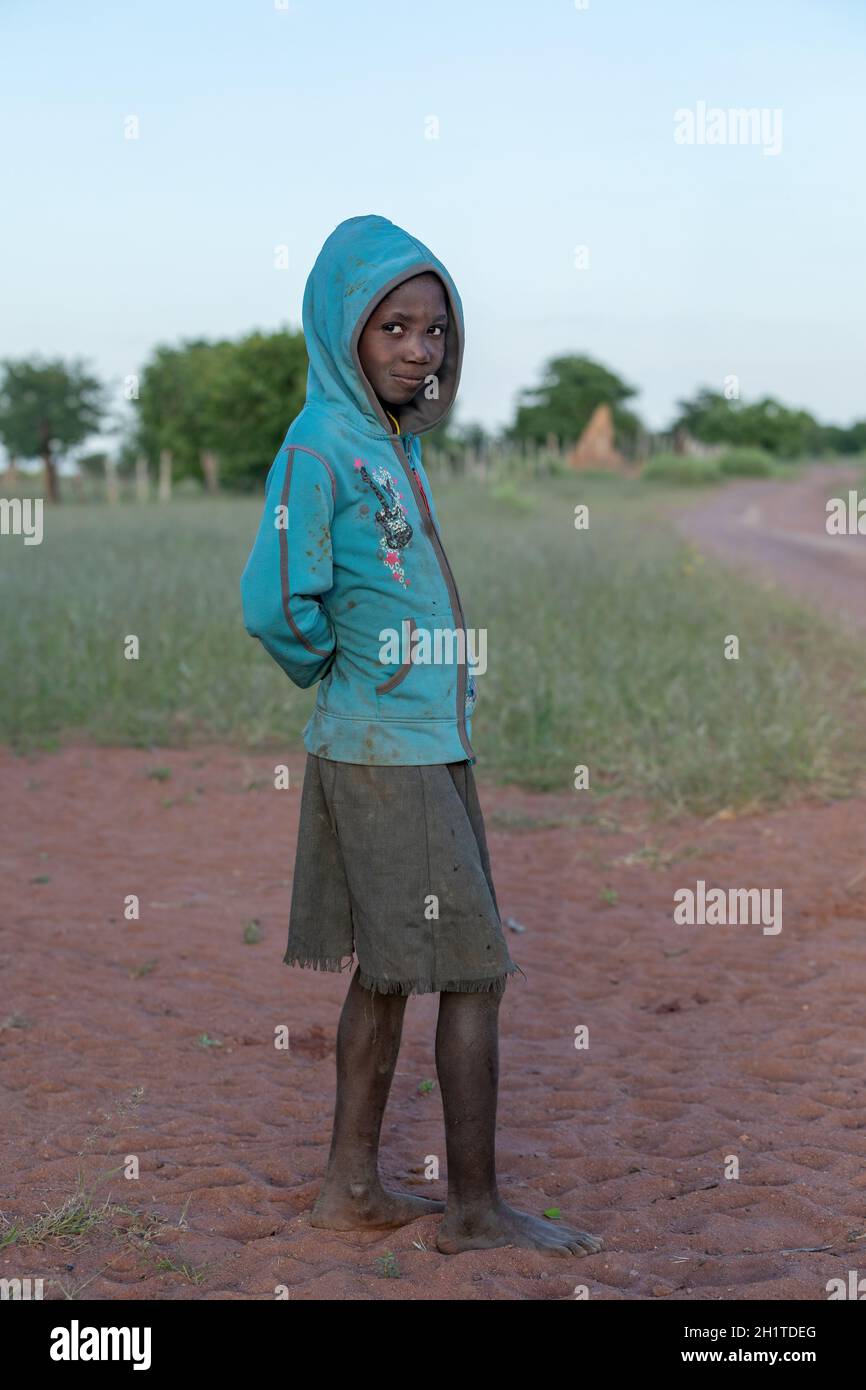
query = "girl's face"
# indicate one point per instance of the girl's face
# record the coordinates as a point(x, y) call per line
point(403, 341)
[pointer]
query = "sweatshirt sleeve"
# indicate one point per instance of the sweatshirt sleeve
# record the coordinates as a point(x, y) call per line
point(290, 566)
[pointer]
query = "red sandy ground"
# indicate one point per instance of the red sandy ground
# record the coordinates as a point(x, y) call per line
point(705, 1042)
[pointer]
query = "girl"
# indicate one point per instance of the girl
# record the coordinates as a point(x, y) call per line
point(348, 585)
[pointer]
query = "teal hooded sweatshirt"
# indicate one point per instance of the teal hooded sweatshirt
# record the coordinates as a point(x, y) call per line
point(348, 582)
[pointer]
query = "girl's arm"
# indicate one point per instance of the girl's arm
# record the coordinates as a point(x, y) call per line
point(290, 564)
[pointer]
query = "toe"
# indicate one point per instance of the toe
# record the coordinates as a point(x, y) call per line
point(592, 1244)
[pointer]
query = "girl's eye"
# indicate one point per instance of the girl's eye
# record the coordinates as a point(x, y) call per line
point(436, 328)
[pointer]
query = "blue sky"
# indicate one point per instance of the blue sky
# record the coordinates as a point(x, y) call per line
point(263, 126)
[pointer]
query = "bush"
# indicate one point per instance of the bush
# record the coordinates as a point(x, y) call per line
point(507, 491)
point(680, 469)
point(188, 487)
point(746, 463)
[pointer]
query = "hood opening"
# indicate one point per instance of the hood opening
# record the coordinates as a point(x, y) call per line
point(361, 262)
point(419, 414)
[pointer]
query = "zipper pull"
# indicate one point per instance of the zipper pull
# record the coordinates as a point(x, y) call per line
point(407, 440)
point(423, 493)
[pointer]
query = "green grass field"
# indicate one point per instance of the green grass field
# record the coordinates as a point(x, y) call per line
point(605, 646)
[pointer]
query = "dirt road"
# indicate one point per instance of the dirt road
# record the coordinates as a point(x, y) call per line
point(777, 530)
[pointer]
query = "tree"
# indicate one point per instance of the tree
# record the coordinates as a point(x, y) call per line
point(709, 417)
point(174, 418)
point(571, 388)
point(765, 424)
point(47, 407)
point(93, 464)
point(454, 440)
point(844, 439)
point(231, 400)
point(260, 387)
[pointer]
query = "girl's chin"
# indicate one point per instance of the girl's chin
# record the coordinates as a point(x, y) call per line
point(395, 393)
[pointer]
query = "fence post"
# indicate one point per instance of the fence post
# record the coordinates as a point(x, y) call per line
point(210, 469)
point(112, 490)
point(142, 479)
point(165, 462)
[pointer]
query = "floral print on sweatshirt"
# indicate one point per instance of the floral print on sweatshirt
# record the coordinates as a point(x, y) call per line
point(395, 530)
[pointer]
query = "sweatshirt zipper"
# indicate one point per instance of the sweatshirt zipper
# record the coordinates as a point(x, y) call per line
point(407, 440)
point(450, 583)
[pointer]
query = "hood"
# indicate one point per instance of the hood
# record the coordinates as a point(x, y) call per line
point(362, 260)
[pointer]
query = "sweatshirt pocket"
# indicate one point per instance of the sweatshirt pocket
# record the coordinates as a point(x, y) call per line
point(405, 668)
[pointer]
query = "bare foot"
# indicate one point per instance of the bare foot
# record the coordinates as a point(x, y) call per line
point(504, 1225)
point(361, 1206)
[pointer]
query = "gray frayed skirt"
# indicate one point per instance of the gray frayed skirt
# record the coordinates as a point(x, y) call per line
point(392, 865)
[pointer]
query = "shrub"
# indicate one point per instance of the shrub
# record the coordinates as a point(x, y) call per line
point(508, 491)
point(680, 469)
point(746, 463)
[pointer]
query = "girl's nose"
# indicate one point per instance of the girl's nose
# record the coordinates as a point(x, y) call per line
point(418, 348)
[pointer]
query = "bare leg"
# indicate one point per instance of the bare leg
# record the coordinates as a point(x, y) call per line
point(368, 1042)
point(467, 1062)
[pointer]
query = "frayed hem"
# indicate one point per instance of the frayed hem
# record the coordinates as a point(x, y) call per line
point(334, 963)
point(493, 983)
